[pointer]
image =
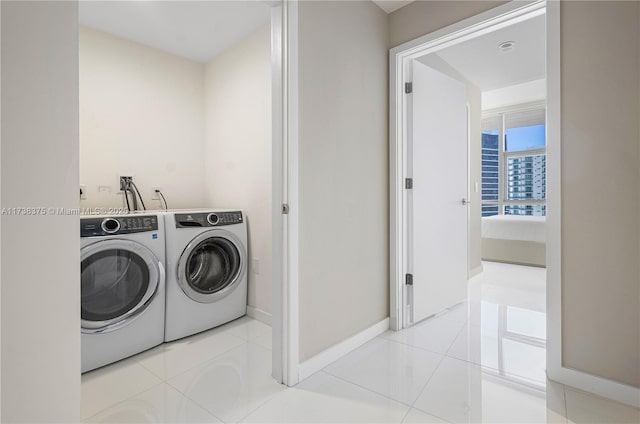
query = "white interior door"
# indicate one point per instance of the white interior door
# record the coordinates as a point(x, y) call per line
point(437, 224)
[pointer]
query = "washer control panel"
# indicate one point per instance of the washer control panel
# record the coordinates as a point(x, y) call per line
point(91, 227)
point(208, 219)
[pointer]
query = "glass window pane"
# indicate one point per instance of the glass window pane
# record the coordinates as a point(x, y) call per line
point(489, 209)
point(529, 210)
point(526, 177)
point(490, 171)
point(525, 138)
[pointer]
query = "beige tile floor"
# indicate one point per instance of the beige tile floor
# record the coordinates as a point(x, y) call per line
point(481, 361)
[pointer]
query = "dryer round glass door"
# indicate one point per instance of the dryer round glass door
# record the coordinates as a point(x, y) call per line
point(211, 266)
point(119, 278)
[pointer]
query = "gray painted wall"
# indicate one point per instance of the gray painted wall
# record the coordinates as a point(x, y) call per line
point(422, 17)
point(600, 181)
point(40, 280)
point(343, 171)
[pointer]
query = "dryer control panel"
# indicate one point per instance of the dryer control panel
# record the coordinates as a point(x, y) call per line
point(208, 219)
point(108, 226)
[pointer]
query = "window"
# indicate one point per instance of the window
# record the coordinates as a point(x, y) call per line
point(514, 163)
point(490, 172)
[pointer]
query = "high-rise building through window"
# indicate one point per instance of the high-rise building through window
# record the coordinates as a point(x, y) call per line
point(526, 180)
point(514, 163)
point(490, 173)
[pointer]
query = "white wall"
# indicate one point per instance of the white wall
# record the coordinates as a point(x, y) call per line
point(600, 227)
point(475, 157)
point(343, 171)
point(40, 254)
point(517, 94)
point(237, 148)
point(141, 114)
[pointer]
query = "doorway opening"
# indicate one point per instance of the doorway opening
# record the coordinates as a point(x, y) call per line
point(445, 265)
point(185, 100)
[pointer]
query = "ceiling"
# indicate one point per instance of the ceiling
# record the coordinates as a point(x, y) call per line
point(391, 5)
point(196, 30)
point(481, 62)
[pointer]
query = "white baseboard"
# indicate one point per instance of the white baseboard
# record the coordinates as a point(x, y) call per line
point(259, 314)
point(326, 357)
point(610, 389)
point(475, 271)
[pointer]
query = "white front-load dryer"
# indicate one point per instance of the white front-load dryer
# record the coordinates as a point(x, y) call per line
point(122, 286)
point(206, 270)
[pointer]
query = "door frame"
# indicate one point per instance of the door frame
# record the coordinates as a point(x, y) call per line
point(284, 120)
point(400, 72)
point(507, 14)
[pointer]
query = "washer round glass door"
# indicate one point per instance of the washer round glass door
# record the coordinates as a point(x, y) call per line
point(119, 278)
point(211, 266)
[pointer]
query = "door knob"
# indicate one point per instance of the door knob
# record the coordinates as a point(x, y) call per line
point(465, 201)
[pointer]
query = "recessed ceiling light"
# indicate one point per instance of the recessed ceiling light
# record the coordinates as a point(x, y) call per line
point(506, 46)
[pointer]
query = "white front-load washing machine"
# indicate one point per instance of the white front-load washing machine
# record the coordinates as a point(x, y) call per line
point(206, 270)
point(122, 286)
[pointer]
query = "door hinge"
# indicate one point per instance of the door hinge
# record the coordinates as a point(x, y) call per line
point(408, 280)
point(408, 87)
point(285, 208)
point(408, 183)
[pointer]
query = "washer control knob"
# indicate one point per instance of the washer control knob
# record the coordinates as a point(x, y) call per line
point(213, 219)
point(110, 225)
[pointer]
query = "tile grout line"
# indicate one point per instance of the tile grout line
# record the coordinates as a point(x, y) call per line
point(424, 388)
point(433, 415)
point(406, 415)
point(481, 365)
point(417, 347)
point(194, 401)
point(269, 399)
point(427, 383)
point(244, 343)
point(362, 387)
point(486, 366)
point(207, 409)
point(154, 374)
point(248, 339)
point(259, 345)
point(441, 356)
point(165, 379)
point(156, 385)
